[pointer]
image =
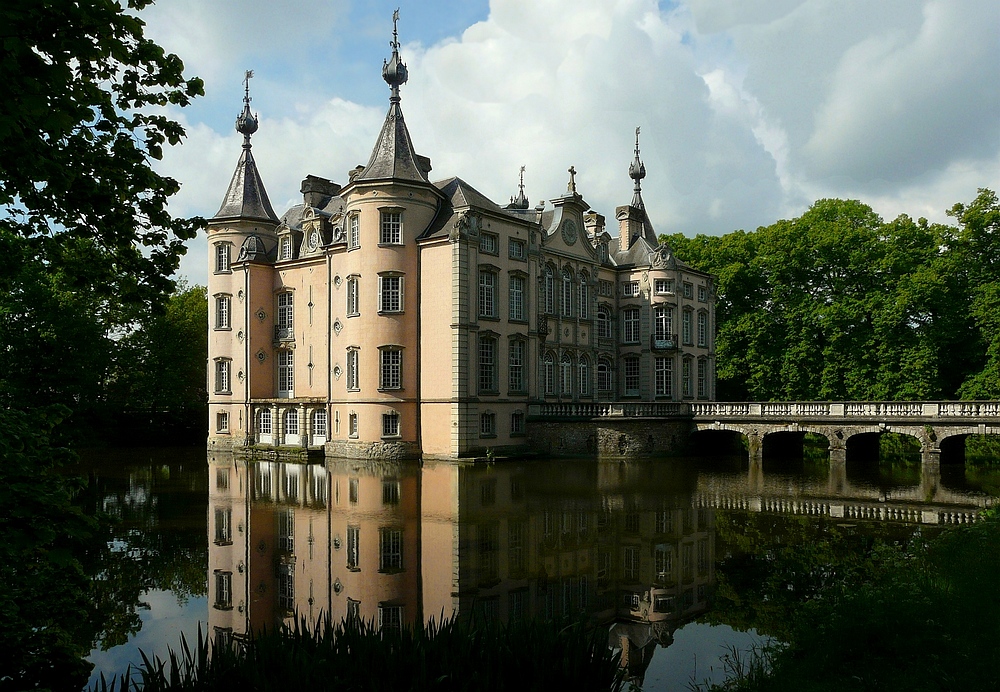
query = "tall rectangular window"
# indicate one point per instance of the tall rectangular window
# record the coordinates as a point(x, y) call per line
point(286, 589)
point(515, 365)
point(390, 491)
point(487, 294)
point(222, 422)
point(663, 375)
point(516, 302)
point(630, 366)
point(686, 327)
point(549, 374)
point(391, 228)
point(603, 323)
point(223, 590)
point(630, 325)
point(390, 424)
point(630, 563)
point(688, 290)
point(222, 310)
point(487, 364)
point(549, 290)
point(584, 299)
point(353, 548)
point(663, 322)
point(265, 422)
point(566, 301)
point(390, 290)
point(222, 371)
point(703, 329)
point(390, 548)
point(353, 377)
point(390, 375)
point(319, 423)
point(352, 424)
point(223, 525)
point(517, 422)
point(487, 424)
point(686, 378)
point(286, 313)
point(354, 232)
point(353, 300)
point(286, 373)
point(285, 248)
point(702, 294)
point(222, 257)
point(702, 378)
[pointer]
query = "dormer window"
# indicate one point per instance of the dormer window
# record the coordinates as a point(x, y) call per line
point(285, 248)
point(354, 232)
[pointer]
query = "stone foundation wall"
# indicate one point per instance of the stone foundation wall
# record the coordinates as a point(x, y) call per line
point(384, 451)
point(635, 437)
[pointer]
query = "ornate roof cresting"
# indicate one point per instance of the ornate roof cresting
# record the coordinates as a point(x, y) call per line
point(246, 197)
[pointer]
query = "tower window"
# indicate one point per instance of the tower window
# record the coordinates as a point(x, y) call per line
point(222, 257)
point(391, 228)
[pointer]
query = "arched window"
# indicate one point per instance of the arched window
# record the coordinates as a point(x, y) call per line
point(566, 375)
point(584, 371)
point(603, 322)
point(584, 309)
point(566, 304)
point(264, 422)
point(703, 329)
point(605, 383)
point(549, 374)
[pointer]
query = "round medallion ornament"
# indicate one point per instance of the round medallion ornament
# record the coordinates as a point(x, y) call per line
point(569, 231)
point(261, 356)
point(337, 326)
point(261, 315)
point(313, 242)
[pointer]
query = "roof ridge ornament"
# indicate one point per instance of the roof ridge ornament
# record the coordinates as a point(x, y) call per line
point(247, 122)
point(637, 171)
point(521, 201)
point(394, 72)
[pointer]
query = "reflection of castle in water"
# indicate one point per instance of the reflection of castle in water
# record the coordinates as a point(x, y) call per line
point(398, 543)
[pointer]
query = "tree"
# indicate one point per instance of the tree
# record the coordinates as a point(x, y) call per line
point(81, 208)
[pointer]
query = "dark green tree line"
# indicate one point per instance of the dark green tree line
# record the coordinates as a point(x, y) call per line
point(839, 304)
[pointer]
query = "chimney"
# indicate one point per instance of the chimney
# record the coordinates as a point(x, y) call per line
point(316, 191)
point(629, 225)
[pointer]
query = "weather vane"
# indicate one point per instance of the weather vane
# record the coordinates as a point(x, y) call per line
point(246, 84)
point(395, 18)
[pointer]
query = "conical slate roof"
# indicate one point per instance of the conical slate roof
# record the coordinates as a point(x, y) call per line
point(393, 156)
point(246, 197)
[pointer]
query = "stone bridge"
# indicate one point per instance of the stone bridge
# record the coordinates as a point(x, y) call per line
point(628, 428)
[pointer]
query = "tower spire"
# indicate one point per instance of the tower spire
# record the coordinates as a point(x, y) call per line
point(521, 201)
point(246, 197)
point(394, 71)
point(637, 171)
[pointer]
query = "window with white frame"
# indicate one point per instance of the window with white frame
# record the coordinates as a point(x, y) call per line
point(605, 288)
point(352, 425)
point(354, 232)
point(630, 289)
point(703, 329)
point(391, 228)
point(686, 320)
point(487, 293)
point(663, 286)
point(515, 249)
point(390, 292)
point(223, 370)
point(391, 368)
point(603, 322)
point(549, 374)
point(353, 297)
point(223, 307)
point(630, 373)
point(222, 256)
point(390, 548)
point(605, 382)
point(549, 290)
point(353, 546)
point(583, 368)
point(489, 243)
point(286, 373)
point(292, 421)
point(515, 304)
point(390, 617)
point(630, 325)
point(488, 424)
point(702, 378)
point(663, 374)
point(319, 423)
point(517, 422)
point(286, 588)
point(566, 375)
point(566, 303)
point(286, 313)
point(285, 248)
point(222, 422)
point(515, 365)
point(584, 308)
point(663, 322)
point(390, 424)
point(223, 590)
point(487, 364)
point(353, 376)
point(686, 384)
point(264, 422)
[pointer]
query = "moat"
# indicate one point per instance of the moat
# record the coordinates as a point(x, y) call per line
point(650, 549)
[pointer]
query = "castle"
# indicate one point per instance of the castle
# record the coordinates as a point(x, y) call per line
point(396, 317)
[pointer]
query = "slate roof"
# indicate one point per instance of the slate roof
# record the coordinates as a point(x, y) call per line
point(393, 155)
point(246, 197)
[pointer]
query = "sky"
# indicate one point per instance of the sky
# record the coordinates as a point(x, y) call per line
point(749, 110)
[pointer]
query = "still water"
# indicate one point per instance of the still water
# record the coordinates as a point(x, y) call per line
point(642, 548)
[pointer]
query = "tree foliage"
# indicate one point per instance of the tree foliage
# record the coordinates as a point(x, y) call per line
point(839, 304)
